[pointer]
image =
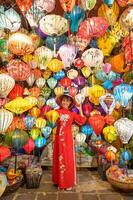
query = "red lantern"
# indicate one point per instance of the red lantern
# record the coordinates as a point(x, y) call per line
point(4, 153)
point(19, 70)
point(97, 122)
point(29, 147)
point(24, 5)
point(79, 63)
point(45, 109)
point(87, 108)
point(72, 91)
point(65, 82)
point(17, 91)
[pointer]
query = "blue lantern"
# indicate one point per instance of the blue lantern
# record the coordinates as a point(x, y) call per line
point(121, 162)
point(46, 131)
point(107, 84)
point(77, 15)
point(102, 76)
point(59, 75)
point(126, 155)
point(40, 142)
point(87, 130)
point(29, 122)
point(93, 44)
point(123, 94)
point(59, 40)
point(109, 2)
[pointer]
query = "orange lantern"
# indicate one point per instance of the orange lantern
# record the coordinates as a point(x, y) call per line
point(109, 119)
point(47, 73)
point(35, 112)
point(118, 64)
point(124, 3)
point(24, 5)
point(35, 91)
point(16, 123)
point(37, 73)
point(110, 156)
point(67, 5)
point(17, 91)
point(97, 122)
point(19, 70)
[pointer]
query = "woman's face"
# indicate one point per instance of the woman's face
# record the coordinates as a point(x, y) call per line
point(66, 102)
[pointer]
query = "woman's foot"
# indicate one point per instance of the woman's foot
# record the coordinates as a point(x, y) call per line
point(69, 189)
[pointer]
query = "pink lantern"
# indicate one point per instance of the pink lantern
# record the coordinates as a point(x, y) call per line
point(4, 153)
point(87, 108)
point(72, 91)
point(19, 70)
point(45, 5)
point(67, 54)
point(29, 147)
point(107, 67)
point(45, 109)
point(93, 27)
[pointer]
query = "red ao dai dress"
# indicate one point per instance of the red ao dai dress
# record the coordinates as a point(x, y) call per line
point(64, 166)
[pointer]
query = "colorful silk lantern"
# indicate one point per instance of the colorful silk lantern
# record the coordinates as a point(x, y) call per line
point(65, 82)
point(20, 44)
point(35, 112)
point(6, 119)
point(79, 42)
point(88, 4)
point(47, 6)
point(72, 73)
point(40, 142)
point(52, 82)
point(45, 92)
point(29, 147)
point(87, 108)
point(60, 40)
point(16, 138)
point(123, 94)
point(16, 123)
point(59, 75)
point(34, 133)
point(17, 91)
point(67, 54)
point(7, 83)
point(40, 122)
point(97, 122)
point(24, 5)
point(4, 153)
point(95, 92)
point(109, 2)
point(124, 127)
point(18, 105)
point(59, 91)
point(47, 73)
point(109, 13)
point(67, 5)
point(77, 15)
point(19, 70)
point(110, 156)
point(52, 116)
point(29, 121)
point(124, 3)
point(46, 131)
point(93, 27)
point(40, 82)
point(107, 102)
point(87, 130)
point(126, 155)
point(110, 134)
point(72, 91)
point(55, 65)
point(79, 81)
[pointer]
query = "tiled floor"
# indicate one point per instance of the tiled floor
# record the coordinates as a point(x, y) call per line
point(90, 187)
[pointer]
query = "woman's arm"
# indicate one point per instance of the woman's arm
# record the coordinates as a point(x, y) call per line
point(80, 109)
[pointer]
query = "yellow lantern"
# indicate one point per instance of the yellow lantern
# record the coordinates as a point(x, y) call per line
point(86, 72)
point(52, 116)
point(55, 65)
point(110, 134)
point(59, 91)
point(40, 122)
point(18, 105)
point(46, 74)
point(32, 100)
point(109, 13)
point(95, 92)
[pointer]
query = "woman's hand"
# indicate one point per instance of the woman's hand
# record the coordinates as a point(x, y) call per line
point(79, 106)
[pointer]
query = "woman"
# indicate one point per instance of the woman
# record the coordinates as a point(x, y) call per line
point(64, 166)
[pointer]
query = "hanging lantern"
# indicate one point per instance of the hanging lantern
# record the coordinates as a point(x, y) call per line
point(20, 44)
point(109, 13)
point(55, 65)
point(4, 153)
point(86, 72)
point(16, 123)
point(65, 82)
point(29, 122)
point(29, 147)
point(35, 91)
point(124, 127)
point(6, 119)
point(16, 138)
point(40, 82)
point(59, 75)
point(110, 134)
point(95, 92)
point(109, 2)
point(45, 109)
point(84, 91)
point(52, 116)
point(45, 92)
point(79, 42)
point(59, 91)
point(87, 130)
point(24, 5)
point(97, 122)
point(60, 40)
point(88, 4)
point(110, 156)
point(78, 63)
point(34, 133)
point(72, 74)
point(46, 131)
point(47, 6)
point(72, 91)
point(79, 98)
point(79, 81)
point(80, 138)
point(40, 122)
point(40, 142)
point(17, 91)
point(35, 112)
point(52, 82)
point(126, 155)
point(87, 108)
point(107, 102)
point(67, 5)
point(47, 73)
point(31, 79)
point(124, 3)
point(7, 83)
point(19, 70)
